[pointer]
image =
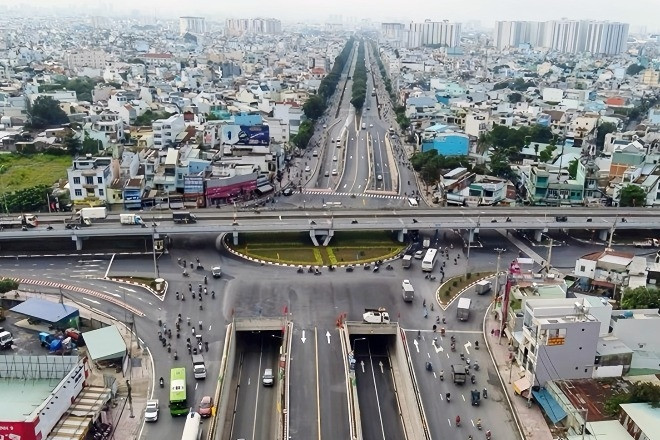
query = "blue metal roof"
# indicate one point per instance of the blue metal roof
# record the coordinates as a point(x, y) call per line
point(550, 406)
point(45, 310)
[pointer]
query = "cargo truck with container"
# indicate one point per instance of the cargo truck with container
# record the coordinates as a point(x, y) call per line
point(458, 373)
point(463, 309)
point(99, 212)
point(22, 221)
point(131, 219)
point(408, 291)
point(483, 287)
point(184, 217)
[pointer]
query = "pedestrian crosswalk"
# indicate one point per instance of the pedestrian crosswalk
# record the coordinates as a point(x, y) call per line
point(345, 194)
point(78, 289)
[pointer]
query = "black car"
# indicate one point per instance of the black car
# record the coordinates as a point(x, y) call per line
point(562, 218)
point(287, 192)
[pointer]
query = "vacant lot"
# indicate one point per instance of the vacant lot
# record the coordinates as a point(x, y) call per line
point(20, 172)
point(297, 248)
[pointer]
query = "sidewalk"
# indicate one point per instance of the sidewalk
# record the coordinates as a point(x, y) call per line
point(530, 420)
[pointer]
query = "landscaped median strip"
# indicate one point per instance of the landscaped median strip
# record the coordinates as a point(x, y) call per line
point(479, 277)
point(387, 258)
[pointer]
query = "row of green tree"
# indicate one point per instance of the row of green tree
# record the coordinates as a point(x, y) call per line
point(359, 91)
point(401, 118)
point(381, 67)
point(33, 199)
point(7, 285)
point(317, 104)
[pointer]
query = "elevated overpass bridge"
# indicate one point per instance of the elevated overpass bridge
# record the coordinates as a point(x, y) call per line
point(322, 224)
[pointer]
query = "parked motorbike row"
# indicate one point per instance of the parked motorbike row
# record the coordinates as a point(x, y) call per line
point(349, 268)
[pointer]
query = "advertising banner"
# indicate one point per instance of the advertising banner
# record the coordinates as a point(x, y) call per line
point(233, 134)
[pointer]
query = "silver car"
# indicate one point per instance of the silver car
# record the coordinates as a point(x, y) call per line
point(151, 411)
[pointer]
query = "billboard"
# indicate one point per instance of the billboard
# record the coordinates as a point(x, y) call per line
point(233, 134)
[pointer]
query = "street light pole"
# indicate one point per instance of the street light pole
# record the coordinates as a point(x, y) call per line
point(4, 190)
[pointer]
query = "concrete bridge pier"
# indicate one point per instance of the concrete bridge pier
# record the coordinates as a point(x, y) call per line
point(471, 233)
point(235, 237)
point(325, 235)
point(603, 234)
point(538, 235)
point(78, 241)
point(401, 235)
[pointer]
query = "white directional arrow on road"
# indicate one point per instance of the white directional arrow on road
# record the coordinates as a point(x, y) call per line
point(467, 345)
point(362, 365)
point(416, 345)
point(327, 335)
point(91, 300)
point(303, 338)
point(381, 366)
point(438, 349)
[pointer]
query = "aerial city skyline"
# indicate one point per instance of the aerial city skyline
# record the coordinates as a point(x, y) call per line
point(302, 220)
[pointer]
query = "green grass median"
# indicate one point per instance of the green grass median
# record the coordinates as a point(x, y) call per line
point(297, 248)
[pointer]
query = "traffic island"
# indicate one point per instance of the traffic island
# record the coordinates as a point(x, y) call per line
point(157, 287)
point(455, 286)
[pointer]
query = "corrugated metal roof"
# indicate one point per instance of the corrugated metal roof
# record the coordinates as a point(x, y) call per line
point(105, 343)
point(45, 310)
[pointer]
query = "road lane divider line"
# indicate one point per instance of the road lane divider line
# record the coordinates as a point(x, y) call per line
point(109, 266)
point(256, 397)
point(318, 384)
point(373, 376)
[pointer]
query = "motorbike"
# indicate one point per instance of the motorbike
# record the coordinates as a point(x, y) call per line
point(473, 379)
point(444, 321)
point(389, 267)
point(349, 268)
point(479, 424)
point(185, 274)
point(476, 345)
point(488, 435)
point(429, 366)
point(206, 345)
point(458, 421)
point(206, 280)
point(448, 397)
point(485, 393)
point(300, 269)
point(162, 382)
point(437, 320)
point(376, 268)
point(442, 375)
point(213, 294)
point(453, 346)
point(476, 366)
point(49, 228)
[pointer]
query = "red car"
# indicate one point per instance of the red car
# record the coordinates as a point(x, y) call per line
point(205, 406)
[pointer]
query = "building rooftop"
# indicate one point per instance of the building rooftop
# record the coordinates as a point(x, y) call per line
point(26, 396)
point(645, 417)
point(609, 345)
point(591, 395)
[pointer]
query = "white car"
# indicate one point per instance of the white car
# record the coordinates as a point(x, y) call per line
point(379, 177)
point(334, 172)
point(151, 411)
point(371, 125)
point(216, 271)
point(334, 158)
point(315, 153)
point(307, 169)
point(325, 125)
point(419, 255)
point(405, 283)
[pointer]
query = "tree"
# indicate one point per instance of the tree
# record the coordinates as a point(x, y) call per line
point(91, 146)
point(72, 144)
point(305, 132)
point(638, 392)
point(632, 195)
point(7, 285)
point(602, 130)
point(640, 298)
point(46, 111)
point(314, 107)
point(634, 69)
point(572, 168)
point(515, 97)
point(546, 154)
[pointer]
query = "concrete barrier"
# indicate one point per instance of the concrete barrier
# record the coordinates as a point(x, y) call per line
point(394, 165)
point(223, 389)
point(411, 410)
point(354, 419)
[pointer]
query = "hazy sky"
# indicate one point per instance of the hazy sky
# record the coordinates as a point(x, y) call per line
point(635, 12)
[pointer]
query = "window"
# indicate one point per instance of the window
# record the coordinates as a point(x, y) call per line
point(582, 268)
point(101, 192)
point(76, 180)
point(89, 180)
point(99, 180)
point(78, 192)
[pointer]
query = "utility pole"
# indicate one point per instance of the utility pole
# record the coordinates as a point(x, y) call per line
point(609, 242)
point(497, 270)
point(547, 263)
point(584, 425)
